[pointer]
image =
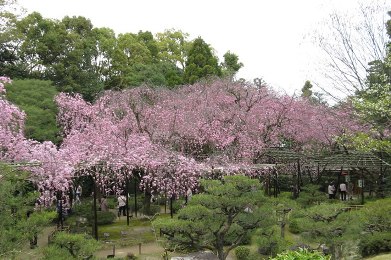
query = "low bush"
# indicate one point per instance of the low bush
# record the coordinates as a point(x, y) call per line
point(242, 253)
point(153, 209)
point(301, 254)
point(177, 205)
point(140, 200)
point(311, 195)
point(375, 244)
point(104, 217)
point(112, 202)
point(83, 209)
point(294, 226)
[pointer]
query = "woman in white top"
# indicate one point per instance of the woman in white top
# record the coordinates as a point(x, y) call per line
point(121, 205)
point(342, 189)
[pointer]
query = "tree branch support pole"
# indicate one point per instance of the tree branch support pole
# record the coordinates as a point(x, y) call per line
point(60, 216)
point(275, 183)
point(362, 186)
point(95, 227)
point(127, 200)
point(297, 190)
point(171, 207)
point(135, 196)
point(165, 202)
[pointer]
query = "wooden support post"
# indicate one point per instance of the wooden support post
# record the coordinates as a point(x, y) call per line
point(135, 196)
point(127, 200)
point(275, 183)
point(165, 202)
point(95, 227)
point(60, 215)
point(171, 210)
point(362, 186)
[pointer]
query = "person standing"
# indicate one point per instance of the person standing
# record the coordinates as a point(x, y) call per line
point(343, 189)
point(78, 194)
point(331, 190)
point(103, 204)
point(121, 205)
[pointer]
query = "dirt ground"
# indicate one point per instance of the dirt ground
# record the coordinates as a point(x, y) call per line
point(149, 251)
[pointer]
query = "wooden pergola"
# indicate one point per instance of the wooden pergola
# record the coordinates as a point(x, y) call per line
point(365, 165)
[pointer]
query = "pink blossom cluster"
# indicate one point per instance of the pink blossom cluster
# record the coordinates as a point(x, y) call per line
point(171, 138)
point(12, 141)
point(4, 80)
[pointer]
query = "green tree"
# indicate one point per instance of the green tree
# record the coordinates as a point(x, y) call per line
point(129, 52)
point(375, 216)
point(173, 47)
point(313, 97)
point(201, 62)
point(9, 38)
point(60, 51)
point(329, 224)
point(219, 218)
point(75, 72)
point(148, 40)
point(306, 91)
point(16, 201)
point(103, 58)
point(36, 98)
point(71, 246)
point(373, 105)
point(374, 237)
point(154, 74)
point(231, 64)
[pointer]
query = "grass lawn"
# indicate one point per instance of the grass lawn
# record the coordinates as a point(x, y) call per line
point(380, 257)
point(138, 231)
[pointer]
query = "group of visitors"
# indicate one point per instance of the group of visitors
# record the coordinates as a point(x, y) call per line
point(332, 191)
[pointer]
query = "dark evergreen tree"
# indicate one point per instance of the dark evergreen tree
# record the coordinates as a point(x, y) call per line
point(201, 62)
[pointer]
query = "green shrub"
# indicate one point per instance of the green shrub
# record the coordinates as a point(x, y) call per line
point(270, 242)
point(153, 209)
point(177, 205)
point(247, 238)
point(242, 253)
point(70, 246)
point(375, 244)
point(112, 202)
point(140, 200)
point(104, 217)
point(311, 195)
point(83, 209)
point(301, 254)
point(294, 226)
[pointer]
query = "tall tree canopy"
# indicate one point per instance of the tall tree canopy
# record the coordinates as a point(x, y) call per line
point(231, 64)
point(200, 62)
point(373, 104)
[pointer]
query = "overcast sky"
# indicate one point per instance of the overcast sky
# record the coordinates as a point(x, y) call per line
point(271, 38)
